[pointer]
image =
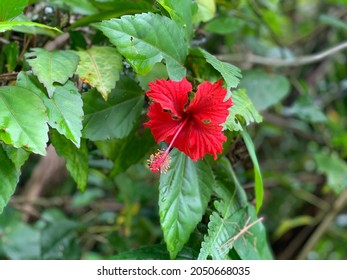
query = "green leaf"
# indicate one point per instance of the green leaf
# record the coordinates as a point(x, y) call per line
point(154, 252)
point(229, 72)
point(11, 9)
point(333, 21)
point(115, 118)
point(76, 159)
point(146, 39)
point(58, 241)
point(232, 212)
point(81, 7)
point(17, 25)
point(9, 175)
point(231, 198)
point(291, 223)
point(224, 25)
point(306, 109)
point(52, 66)
point(17, 156)
point(127, 151)
point(11, 51)
point(184, 193)
point(243, 107)
point(21, 242)
point(100, 67)
point(214, 240)
point(158, 71)
point(334, 168)
point(65, 112)
point(23, 119)
point(265, 90)
point(64, 109)
point(84, 199)
point(206, 10)
point(180, 11)
point(114, 9)
point(251, 243)
point(258, 179)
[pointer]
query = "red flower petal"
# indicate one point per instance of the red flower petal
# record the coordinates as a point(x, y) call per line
point(206, 139)
point(208, 104)
point(161, 123)
point(198, 130)
point(197, 139)
point(171, 95)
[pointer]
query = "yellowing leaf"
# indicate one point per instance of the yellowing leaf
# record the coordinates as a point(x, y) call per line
point(100, 67)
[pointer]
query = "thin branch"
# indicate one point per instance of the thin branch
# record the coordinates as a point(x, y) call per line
point(25, 47)
point(57, 42)
point(4, 41)
point(339, 204)
point(278, 62)
point(8, 76)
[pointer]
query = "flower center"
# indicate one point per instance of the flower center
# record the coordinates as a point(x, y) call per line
point(160, 161)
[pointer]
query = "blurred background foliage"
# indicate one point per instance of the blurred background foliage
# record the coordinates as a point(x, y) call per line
point(295, 77)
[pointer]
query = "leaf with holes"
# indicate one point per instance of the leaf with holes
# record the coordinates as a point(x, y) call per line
point(23, 119)
point(52, 66)
point(116, 117)
point(100, 67)
point(184, 193)
point(64, 109)
point(145, 39)
point(244, 108)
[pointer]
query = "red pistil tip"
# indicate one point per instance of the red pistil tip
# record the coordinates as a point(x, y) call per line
point(160, 161)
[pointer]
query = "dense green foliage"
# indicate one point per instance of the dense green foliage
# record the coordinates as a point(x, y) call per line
point(73, 79)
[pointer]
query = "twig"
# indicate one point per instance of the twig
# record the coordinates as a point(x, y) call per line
point(339, 204)
point(278, 62)
point(57, 42)
point(4, 41)
point(8, 76)
point(25, 47)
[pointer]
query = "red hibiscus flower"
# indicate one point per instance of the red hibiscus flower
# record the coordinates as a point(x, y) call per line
point(192, 126)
